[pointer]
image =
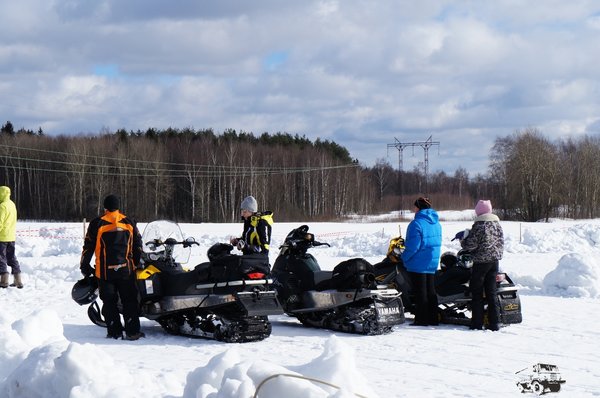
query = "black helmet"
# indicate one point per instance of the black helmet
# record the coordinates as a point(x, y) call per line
point(95, 314)
point(85, 291)
point(218, 250)
point(448, 260)
point(465, 259)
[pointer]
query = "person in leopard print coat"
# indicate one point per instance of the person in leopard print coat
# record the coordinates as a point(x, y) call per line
point(485, 242)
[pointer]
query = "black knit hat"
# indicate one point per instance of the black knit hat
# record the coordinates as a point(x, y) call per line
point(423, 203)
point(111, 202)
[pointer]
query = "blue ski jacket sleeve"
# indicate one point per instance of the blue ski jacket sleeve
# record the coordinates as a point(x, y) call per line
point(423, 243)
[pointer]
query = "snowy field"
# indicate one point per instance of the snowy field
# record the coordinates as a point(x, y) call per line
point(50, 348)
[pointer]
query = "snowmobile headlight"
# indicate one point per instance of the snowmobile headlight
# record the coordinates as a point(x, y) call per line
point(153, 256)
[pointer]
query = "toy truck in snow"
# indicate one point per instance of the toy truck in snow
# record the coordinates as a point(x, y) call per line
point(540, 379)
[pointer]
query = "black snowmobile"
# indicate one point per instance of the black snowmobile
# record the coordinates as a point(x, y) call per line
point(451, 284)
point(227, 299)
point(345, 299)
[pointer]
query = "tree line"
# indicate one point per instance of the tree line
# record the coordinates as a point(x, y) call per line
point(530, 178)
point(534, 178)
point(191, 175)
point(183, 175)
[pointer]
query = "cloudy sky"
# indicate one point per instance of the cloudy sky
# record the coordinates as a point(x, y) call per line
point(362, 73)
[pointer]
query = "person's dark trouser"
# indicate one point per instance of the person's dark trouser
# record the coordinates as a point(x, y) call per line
point(8, 258)
point(110, 291)
point(426, 304)
point(483, 277)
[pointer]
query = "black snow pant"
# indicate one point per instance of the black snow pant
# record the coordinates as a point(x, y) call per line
point(110, 292)
point(483, 277)
point(426, 303)
point(8, 258)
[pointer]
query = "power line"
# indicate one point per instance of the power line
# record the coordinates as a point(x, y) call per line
point(241, 173)
point(196, 169)
point(112, 170)
point(107, 158)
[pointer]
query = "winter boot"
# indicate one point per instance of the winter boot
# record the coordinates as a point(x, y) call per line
point(4, 280)
point(17, 281)
point(135, 336)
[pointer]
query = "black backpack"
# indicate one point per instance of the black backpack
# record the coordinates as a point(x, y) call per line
point(355, 273)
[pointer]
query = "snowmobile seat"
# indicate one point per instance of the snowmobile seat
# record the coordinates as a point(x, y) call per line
point(455, 298)
point(304, 268)
point(322, 280)
point(453, 290)
point(385, 267)
point(452, 281)
point(174, 284)
point(203, 271)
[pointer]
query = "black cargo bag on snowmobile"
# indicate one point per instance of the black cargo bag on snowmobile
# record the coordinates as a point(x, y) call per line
point(355, 273)
point(232, 267)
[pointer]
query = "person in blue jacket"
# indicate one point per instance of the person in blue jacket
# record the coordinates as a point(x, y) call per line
point(421, 256)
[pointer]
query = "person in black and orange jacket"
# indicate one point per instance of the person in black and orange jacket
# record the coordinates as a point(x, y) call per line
point(116, 243)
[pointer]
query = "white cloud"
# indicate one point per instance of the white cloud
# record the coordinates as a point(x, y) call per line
point(593, 22)
point(351, 69)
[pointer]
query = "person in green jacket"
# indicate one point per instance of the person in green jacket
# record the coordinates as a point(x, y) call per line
point(8, 233)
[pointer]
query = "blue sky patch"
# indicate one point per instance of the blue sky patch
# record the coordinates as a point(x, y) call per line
point(275, 60)
point(108, 70)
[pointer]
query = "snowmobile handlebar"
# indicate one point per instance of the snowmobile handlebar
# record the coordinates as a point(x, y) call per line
point(188, 242)
point(300, 240)
point(302, 245)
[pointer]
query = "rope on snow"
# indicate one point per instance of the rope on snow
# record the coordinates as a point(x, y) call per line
point(298, 377)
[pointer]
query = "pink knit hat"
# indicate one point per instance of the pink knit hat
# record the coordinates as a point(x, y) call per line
point(483, 207)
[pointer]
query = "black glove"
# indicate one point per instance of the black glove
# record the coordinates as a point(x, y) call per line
point(87, 270)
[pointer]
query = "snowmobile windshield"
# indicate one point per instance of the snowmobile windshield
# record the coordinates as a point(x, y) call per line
point(160, 231)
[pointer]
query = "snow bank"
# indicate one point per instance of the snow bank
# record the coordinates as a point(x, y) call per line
point(41, 327)
point(576, 275)
point(556, 238)
point(63, 369)
point(337, 364)
point(225, 376)
point(407, 215)
point(37, 361)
